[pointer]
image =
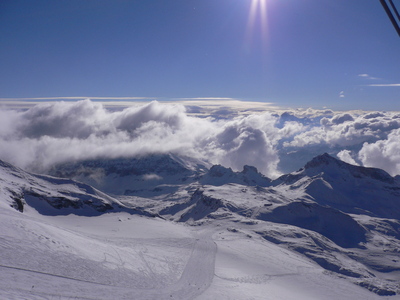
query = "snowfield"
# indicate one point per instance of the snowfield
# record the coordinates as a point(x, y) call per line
point(240, 236)
point(119, 256)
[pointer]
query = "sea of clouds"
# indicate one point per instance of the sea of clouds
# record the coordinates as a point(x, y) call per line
point(276, 142)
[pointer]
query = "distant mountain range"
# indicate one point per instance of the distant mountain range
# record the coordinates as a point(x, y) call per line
point(345, 218)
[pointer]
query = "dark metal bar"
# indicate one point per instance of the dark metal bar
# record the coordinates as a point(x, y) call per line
point(395, 10)
point(390, 15)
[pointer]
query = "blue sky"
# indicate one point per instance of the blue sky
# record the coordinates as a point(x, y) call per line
point(341, 54)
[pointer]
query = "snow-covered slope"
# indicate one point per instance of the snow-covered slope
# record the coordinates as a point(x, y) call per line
point(53, 196)
point(341, 235)
point(249, 237)
point(350, 188)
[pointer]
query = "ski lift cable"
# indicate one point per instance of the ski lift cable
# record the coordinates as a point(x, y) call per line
point(390, 14)
point(395, 10)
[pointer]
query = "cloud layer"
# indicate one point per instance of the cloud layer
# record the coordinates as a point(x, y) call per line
point(58, 132)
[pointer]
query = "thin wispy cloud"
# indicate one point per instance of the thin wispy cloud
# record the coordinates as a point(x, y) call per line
point(386, 84)
point(367, 76)
point(209, 98)
point(73, 98)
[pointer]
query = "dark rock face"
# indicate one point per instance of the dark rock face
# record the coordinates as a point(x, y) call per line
point(73, 201)
point(18, 201)
point(156, 164)
point(219, 171)
point(201, 206)
point(219, 175)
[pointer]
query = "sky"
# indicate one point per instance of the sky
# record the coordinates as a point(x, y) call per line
point(341, 54)
point(268, 83)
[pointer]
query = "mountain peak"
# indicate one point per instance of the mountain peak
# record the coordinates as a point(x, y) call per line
point(323, 159)
point(326, 162)
point(219, 175)
point(249, 169)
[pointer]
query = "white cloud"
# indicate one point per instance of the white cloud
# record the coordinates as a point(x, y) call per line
point(383, 154)
point(386, 85)
point(345, 155)
point(367, 76)
point(346, 129)
point(56, 132)
point(51, 133)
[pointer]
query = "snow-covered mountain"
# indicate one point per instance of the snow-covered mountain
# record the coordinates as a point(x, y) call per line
point(133, 175)
point(53, 196)
point(329, 230)
point(219, 175)
point(350, 188)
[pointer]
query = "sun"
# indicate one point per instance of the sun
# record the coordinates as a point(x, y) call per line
point(258, 13)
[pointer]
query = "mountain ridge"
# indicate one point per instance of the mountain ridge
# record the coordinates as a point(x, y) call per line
point(52, 195)
point(341, 214)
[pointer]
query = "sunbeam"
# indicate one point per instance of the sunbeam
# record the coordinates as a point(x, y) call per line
point(258, 13)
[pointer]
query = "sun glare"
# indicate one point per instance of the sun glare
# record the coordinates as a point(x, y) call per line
point(258, 12)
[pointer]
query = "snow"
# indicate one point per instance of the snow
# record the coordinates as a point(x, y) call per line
point(200, 241)
point(119, 256)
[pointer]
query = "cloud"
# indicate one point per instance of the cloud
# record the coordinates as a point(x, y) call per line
point(341, 94)
point(58, 132)
point(338, 119)
point(345, 155)
point(72, 98)
point(386, 85)
point(61, 119)
point(132, 118)
point(240, 144)
point(384, 154)
point(346, 129)
point(273, 141)
point(367, 76)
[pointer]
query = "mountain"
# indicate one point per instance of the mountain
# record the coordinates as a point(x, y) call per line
point(330, 220)
point(53, 196)
point(340, 212)
point(360, 248)
point(349, 188)
point(128, 176)
point(219, 175)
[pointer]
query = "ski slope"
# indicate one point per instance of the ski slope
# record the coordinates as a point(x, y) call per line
point(61, 239)
point(120, 256)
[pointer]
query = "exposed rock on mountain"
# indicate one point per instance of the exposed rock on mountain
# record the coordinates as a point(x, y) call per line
point(219, 175)
point(53, 196)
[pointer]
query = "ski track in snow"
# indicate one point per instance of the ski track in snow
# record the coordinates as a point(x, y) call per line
point(197, 276)
point(198, 273)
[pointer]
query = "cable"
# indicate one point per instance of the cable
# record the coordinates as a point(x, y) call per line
point(390, 14)
point(395, 9)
